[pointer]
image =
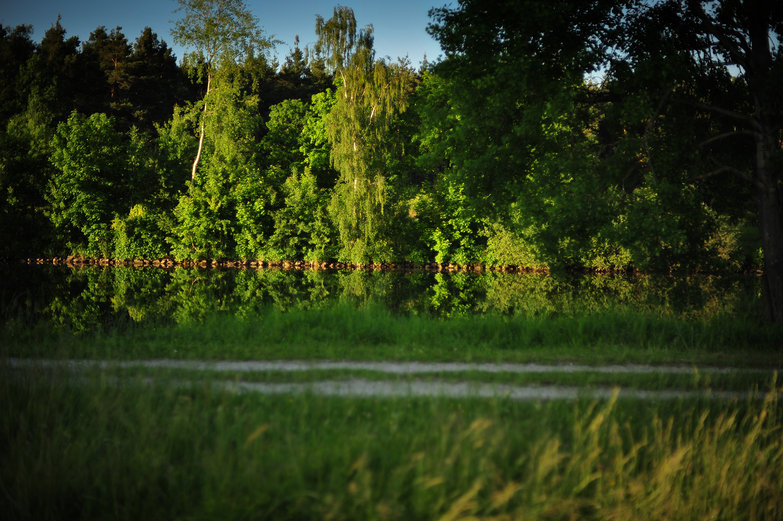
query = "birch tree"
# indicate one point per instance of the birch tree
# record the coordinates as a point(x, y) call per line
point(218, 30)
point(371, 94)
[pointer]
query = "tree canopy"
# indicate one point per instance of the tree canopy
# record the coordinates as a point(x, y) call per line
point(609, 135)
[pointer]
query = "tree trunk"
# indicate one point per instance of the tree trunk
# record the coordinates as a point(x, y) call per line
point(201, 134)
point(771, 226)
point(768, 191)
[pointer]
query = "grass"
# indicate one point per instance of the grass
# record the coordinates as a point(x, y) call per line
point(117, 444)
point(97, 450)
point(376, 334)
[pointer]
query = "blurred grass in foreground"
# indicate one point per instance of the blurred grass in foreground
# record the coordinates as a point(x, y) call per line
point(139, 451)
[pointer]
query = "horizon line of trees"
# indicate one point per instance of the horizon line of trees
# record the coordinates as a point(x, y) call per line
point(503, 152)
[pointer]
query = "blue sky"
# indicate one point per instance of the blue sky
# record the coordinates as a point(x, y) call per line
point(399, 24)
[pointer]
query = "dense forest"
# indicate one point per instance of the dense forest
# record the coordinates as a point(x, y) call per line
point(600, 134)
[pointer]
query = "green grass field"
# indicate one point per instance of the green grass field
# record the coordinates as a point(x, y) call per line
point(375, 334)
point(92, 449)
point(141, 443)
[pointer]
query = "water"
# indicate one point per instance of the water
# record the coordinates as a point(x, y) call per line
point(86, 298)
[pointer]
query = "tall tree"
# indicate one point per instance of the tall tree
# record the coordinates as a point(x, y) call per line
point(219, 30)
point(504, 126)
point(53, 74)
point(370, 96)
point(109, 53)
point(111, 50)
point(16, 48)
point(49, 85)
point(734, 48)
point(158, 84)
point(87, 190)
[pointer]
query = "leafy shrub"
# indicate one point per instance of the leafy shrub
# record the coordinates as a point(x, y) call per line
point(139, 235)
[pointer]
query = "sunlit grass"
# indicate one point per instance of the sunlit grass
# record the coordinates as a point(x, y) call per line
point(375, 333)
point(97, 450)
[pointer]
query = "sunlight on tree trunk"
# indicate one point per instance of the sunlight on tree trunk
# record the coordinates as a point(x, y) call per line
point(201, 132)
point(220, 31)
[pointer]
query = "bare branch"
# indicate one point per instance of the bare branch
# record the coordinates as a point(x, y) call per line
point(732, 170)
point(726, 112)
point(739, 132)
point(732, 41)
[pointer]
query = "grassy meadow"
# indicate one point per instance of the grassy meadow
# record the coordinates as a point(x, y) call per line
point(134, 442)
point(374, 333)
point(89, 448)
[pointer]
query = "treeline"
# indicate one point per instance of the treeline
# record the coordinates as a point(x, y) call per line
point(505, 151)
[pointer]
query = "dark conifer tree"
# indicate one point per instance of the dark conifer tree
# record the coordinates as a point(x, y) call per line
point(16, 48)
point(157, 84)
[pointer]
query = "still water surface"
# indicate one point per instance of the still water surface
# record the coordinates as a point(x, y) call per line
point(86, 298)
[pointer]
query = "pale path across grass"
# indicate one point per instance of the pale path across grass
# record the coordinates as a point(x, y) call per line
point(359, 387)
point(365, 387)
point(401, 368)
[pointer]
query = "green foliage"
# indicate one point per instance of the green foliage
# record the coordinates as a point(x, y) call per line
point(16, 48)
point(370, 96)
point(505, 247)
point(177, 139)
point(223, 32)
point(157, 82)
point(657, 230)
point(338, 39)
point(218, 29)
point(314, 145)
point(303, 229)
point(102, 175)
point(223, 214)
point(282, 142)
point(509, 156)
point(504, 152)
point(24, 228)
point(88, 187)
point(205, 226)
point(109, 53)
point(139, 235)
point(456, 236)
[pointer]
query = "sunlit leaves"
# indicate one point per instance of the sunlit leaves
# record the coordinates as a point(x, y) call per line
point(87, 153)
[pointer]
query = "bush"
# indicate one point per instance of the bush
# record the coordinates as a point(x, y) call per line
point(139, 235)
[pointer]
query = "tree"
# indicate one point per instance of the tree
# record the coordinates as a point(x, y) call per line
point(297, 154)
point(86, 193)
point(506, 128)
point(220, 30)
point(222, 213)
point(22, 231)
point(48, 86)
point(369, 99)
point(157, 83)
point(314, 143)
point(52, 76)
point(109, 54)
point(732, 49)
point(690, 93)
point(303, 229)
point(16, 48)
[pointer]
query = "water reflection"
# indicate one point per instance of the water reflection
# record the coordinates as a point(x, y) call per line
point(86, 298)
